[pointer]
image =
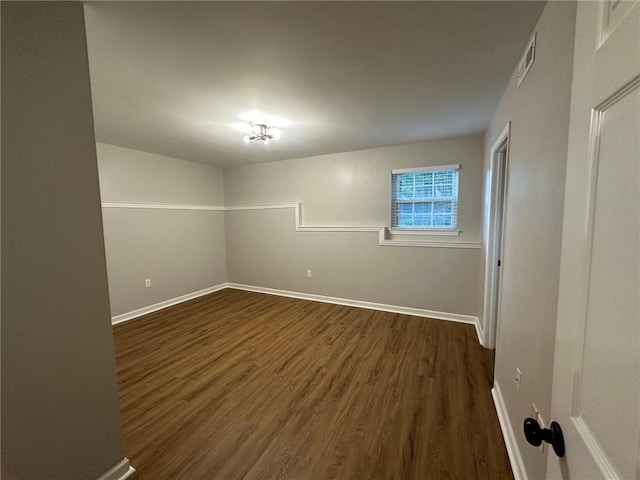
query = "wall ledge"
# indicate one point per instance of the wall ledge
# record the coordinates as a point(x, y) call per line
point(161, 206)
point(385, 235)
point(513, 451)
point(120, 471)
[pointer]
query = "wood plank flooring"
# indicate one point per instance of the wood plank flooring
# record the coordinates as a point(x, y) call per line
point(240, 385)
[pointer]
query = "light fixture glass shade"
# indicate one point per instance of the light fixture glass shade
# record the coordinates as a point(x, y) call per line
point(259, 127)
point(262, 132)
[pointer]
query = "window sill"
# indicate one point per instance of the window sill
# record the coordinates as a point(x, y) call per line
point(424, 232)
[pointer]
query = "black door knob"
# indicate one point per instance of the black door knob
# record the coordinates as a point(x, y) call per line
point(535, 435)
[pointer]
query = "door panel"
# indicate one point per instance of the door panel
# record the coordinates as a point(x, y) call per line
point(610, 392)
point(596, 385)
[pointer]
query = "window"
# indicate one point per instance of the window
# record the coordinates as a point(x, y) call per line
point(425, 198)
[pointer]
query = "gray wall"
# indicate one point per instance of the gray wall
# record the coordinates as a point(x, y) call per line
point(60, 415)
point(133, 176)
point(265, 250)
point(539, 115)
point(181, 251)
point(353, 189)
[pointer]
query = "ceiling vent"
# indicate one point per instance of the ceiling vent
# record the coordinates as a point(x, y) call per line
point(527, 59)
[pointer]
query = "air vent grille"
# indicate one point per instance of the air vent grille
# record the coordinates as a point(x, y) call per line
point(527, 59)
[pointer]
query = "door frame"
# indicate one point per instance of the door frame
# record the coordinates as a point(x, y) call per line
point(495, 234)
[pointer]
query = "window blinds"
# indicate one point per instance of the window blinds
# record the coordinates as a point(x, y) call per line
point(425, 198)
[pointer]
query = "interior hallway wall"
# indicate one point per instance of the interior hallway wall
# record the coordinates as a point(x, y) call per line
point(539, 115)
point(60, 412)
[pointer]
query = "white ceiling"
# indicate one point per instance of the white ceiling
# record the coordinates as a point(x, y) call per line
point(171, 77)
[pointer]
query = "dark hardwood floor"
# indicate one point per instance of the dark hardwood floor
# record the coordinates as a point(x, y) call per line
point(239, 385)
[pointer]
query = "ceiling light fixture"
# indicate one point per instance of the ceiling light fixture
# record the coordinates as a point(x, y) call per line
point(261, 132)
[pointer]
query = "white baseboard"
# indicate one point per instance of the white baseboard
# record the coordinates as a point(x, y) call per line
point(120, 471)
point(167, 303)
point(418, 312)
point(479, 332)
point(515, 459)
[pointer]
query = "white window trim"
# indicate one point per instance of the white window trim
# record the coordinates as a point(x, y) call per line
point(424, 231)
point(425, 169)
point(453, 231)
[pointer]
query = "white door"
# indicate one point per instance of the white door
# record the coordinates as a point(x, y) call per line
point(596, 382)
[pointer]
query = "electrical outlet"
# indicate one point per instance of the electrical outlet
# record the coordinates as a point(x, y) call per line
point(147, 283)
point(518, 379)
point(308, 273)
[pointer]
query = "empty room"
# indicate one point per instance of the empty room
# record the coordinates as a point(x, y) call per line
point(320, 240)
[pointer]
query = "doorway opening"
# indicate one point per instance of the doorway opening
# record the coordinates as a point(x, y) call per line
point(495, 239)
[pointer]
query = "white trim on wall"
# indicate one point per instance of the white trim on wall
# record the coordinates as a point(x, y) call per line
point(416, 312)
point(479, 331)
point(268, 206)
point(515, 459)
point(167, 303)
point(385, 236)
point(120, 471)
point(160, 206)
point(409, 231)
